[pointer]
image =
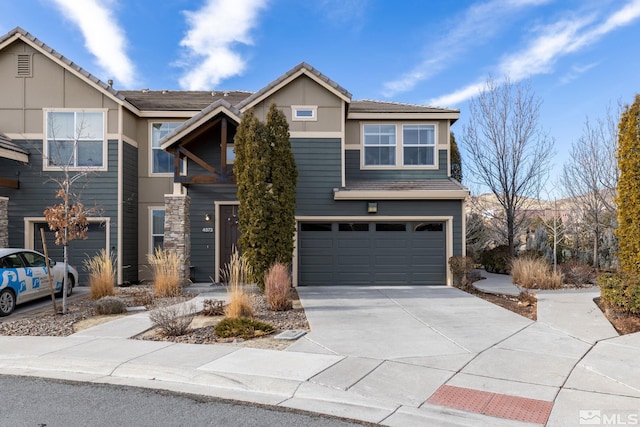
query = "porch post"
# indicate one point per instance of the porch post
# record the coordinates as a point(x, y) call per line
point(177, 226)
point(4, 222)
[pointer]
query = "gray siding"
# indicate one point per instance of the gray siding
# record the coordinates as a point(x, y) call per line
point(319, 172)
point(98, 190)
point(353, 171)
point(203, 243)
point(129, 214)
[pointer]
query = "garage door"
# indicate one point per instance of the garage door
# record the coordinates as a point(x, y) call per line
point(79, 249)
point(366, 253)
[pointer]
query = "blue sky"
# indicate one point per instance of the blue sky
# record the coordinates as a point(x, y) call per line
point(579, 55)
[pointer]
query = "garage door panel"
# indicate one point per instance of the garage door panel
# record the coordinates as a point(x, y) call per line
point(354, 260)
point(353, 244)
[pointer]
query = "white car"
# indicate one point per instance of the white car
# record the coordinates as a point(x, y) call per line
point(23, 277)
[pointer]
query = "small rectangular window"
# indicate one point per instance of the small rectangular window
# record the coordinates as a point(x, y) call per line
point(315, 226)
point(231, 154)
point(355, 226)
point(304, 112)
point(157, 229)
point(428, 226)
point(387, 226)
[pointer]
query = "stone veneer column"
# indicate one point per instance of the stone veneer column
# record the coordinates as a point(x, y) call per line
point(4, 222)
point(177, 226)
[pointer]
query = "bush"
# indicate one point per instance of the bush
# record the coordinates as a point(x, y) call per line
point(242, 327)
point(165, 266)
point(496, 260)
point(110, 305)
point(212, 307)
point(578, 273)
point(620, 292)
point(461, 268)
point(174, 320)
point(277, 283)
point(102, 275)
point(534, 273)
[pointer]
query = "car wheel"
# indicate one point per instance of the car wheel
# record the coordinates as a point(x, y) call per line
point(7, 302)
point(70, 285)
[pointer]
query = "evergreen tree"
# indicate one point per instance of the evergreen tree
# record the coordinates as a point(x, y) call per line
point(628, 198)
point(456, 159)
point(266, 177)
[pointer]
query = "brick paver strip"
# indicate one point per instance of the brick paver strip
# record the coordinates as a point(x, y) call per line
point(492, 404)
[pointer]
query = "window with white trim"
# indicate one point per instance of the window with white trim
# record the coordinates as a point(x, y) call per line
point(75, 139)
point(304, 113)
point(161, 161)
point(418, 145)
point(157, 229)
point(379, 145)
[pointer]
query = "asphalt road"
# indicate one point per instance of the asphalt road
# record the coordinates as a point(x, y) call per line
point(37, 402)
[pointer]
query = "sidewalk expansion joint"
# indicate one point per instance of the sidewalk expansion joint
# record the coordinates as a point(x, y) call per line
point(493, 404)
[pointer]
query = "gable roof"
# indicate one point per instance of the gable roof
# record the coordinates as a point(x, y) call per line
point(194, 123)
point(301, 69)
point(19, 34)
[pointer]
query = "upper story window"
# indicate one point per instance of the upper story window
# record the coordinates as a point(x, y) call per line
point(398, 146)
point(161, 161)
point(379, 145)
point(75, 139)
point(304, 113)
point(419, 145)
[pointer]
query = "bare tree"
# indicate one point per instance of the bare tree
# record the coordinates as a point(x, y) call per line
point(589, 178)
point(68, 219)
point(507, 150)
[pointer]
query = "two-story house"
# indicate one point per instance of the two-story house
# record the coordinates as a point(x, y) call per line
point(375, 200)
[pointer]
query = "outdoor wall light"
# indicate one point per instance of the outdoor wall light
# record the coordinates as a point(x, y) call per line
point(372, 207)
point(207, 217)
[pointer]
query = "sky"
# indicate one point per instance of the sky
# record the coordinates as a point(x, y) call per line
point(579, 56)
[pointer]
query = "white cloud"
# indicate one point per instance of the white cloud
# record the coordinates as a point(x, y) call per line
point(458, 96)
point(551, 43)
point(479, 22)
point(103, 36)
point(214, 31)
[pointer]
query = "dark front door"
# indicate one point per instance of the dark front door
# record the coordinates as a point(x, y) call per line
point(229, 233)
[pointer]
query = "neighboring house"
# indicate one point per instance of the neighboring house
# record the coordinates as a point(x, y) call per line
point(375, 200)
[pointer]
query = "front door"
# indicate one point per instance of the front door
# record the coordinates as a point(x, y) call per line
point(229, 233)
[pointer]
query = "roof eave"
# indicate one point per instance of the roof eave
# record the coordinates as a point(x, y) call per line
point(400, 195)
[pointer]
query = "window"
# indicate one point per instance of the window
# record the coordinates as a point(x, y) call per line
point(313, 226)
point(75, 139)
point(231, 154)
point(387, 226)
point(428, 226)
point(418, 142)
point(157, 229)
point(34, 260)
point(304, 113)
point(379, 145)
point(161, 161)
point(353, 226)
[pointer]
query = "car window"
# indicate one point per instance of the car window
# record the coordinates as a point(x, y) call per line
point(12, 261)
point(34, 260)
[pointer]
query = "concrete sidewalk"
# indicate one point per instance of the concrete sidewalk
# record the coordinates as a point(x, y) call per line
point(390, 355)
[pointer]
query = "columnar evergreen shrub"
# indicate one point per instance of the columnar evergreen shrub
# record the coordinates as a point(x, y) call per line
point(266, 176)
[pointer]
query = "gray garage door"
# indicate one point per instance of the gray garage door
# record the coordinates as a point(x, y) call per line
point(366, 253)
point(79, 250)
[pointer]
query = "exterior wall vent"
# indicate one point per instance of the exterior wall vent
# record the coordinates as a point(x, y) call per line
point(24, 65)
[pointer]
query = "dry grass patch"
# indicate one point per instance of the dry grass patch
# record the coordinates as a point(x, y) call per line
point(102, 275)
point(534, 273)
point(165, 266)
point(236, 273)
